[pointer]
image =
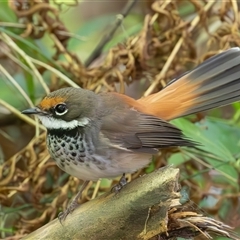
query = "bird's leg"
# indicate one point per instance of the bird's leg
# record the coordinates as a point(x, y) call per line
point(122, 182)
point(73, 205)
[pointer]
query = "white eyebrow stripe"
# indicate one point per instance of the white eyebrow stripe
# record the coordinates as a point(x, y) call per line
point(54, 123)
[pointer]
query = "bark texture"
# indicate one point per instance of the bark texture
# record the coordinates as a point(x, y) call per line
point(138, 211)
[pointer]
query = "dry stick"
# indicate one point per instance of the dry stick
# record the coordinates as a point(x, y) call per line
point(72, 35)
point(177, 47)
point(15, 25)
point(119, 19)
point(95, 192)
point(61, 48)
point(24, 26)
point(56, 72)
point(235, 10)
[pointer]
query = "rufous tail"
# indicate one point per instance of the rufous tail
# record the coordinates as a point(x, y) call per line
point(214, 83)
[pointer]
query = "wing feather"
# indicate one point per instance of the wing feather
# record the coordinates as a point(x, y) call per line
point(141, 132)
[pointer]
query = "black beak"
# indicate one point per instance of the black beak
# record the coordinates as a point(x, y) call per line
point(34, 111)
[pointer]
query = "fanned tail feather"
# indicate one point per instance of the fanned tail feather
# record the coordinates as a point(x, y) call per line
point(214, 83)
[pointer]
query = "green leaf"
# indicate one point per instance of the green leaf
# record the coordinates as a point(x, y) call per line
point(6, 14)
point(150, 168)
point(210, 134)
point(130, 26)
point(93, 30)
point(218, 138)
point(30, 47)
point(106, 183)
point(178, 159)
point(8, 91)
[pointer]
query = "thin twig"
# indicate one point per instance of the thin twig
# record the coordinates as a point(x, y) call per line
point(235, 10)
point(17, 61)
point(15, 25)
point(62, 49)
point(25, 96)
point(72, 35)
point(207, 165)
point(20, 115)
point(16, 85)
point(119, 19)
point(96, 189)
point(63, 33)
point(165, 68)
point(14, 46)
point(174, 52)
point(54, 70)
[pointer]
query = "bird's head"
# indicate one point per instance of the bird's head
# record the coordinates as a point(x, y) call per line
point(66, 108)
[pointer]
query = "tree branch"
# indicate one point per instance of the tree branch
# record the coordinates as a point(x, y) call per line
point(119, 19)
point(144, 209)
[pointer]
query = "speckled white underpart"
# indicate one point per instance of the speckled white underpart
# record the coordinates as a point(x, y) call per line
point(78, 157)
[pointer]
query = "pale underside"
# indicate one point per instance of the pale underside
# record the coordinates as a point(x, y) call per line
point(123, 163)
point(107, 162)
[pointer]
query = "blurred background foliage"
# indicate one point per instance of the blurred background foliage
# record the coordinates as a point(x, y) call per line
point(52, 44)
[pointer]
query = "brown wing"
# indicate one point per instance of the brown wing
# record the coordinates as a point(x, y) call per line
point(131, 129)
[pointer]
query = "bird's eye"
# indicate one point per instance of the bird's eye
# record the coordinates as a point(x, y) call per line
point(60, 109)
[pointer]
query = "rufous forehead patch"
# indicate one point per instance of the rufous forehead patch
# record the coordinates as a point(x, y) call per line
point(48, 103)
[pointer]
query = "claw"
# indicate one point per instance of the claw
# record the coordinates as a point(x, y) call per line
point(122, 182)
point(73, 205)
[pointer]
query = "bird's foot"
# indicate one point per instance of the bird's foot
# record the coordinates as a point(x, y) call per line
point(71, 207)
point(122, 182)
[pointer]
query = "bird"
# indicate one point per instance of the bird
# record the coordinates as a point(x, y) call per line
point(105, 135)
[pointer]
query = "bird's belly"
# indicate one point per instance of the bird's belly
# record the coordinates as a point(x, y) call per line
point(87, 165)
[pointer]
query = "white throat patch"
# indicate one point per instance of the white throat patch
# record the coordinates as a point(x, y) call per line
point(54, 123)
